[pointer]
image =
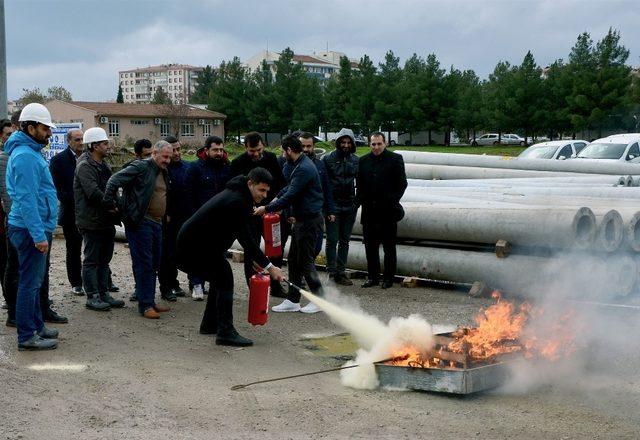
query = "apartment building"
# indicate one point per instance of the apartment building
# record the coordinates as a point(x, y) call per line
point(124, 123)
point(179, 81)
point(322, 65)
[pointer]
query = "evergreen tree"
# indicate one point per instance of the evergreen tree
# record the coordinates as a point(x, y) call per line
point(160, 97)
point(205, 82)
point(387, 104)
point(229, 95)
point(526, 102)
point(260, 99)
point(288, 80)
point(469, 105)
point(120, 98)
point(497, 91)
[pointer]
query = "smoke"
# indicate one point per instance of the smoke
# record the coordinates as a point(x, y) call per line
point(377, 340)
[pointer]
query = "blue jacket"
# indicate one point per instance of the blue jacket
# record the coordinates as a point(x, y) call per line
point(205, 179)
point(303, 193)
point(329, 206)
point(30, 186)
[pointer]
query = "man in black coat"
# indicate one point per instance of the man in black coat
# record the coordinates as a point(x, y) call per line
point(381, 182)
point(62, 167)
point(253, 157)
point(214, 227)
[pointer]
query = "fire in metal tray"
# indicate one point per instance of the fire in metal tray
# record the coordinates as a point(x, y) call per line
point(471, 360)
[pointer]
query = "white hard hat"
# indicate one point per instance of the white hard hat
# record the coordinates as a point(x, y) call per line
point(94, 134)
point(37, 113)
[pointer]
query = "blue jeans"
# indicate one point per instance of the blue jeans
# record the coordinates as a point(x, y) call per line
point(145, 245)
point(338, 235)
point(33, 264)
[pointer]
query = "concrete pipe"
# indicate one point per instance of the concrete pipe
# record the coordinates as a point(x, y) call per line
point(515, 163)
point(443, 172)
point(548, 227)
point(632, 232)
point(553, 182)
point(576, 275)
point(596, 192)
point(610, 231)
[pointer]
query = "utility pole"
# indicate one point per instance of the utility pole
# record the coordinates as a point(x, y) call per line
point(3, 65)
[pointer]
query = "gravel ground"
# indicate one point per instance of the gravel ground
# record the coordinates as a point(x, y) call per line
point(132, 378)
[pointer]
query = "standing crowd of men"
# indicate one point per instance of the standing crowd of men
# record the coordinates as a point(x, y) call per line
point(172, 209)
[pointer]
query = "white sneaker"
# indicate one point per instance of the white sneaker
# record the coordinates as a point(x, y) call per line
point(286, 306)
point(197, 293)
point(310, 308)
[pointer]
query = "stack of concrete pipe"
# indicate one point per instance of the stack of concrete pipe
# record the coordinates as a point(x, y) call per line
point(573, 226)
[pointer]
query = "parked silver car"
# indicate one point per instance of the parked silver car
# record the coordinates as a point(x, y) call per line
point(495, 139)
point(554, 150)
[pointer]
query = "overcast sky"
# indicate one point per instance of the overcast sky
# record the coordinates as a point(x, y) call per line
point(82, 44)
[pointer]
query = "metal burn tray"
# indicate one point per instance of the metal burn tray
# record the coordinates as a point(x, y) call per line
point(463, 377)
point(444, 380)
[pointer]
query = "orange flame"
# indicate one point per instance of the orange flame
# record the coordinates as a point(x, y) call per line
point(502, 328)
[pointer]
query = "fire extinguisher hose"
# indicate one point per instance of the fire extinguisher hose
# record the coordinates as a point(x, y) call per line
point(391, 359)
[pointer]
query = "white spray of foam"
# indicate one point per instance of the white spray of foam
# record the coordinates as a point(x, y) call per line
point(377, 340)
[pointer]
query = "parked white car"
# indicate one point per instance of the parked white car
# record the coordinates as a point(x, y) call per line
point(554, 150)
point(495, 139)
point(621, 147)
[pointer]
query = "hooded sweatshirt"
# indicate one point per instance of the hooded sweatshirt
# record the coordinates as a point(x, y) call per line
point(30, 187)
point(342, 169)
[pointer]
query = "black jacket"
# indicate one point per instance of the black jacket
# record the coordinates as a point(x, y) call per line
point(63, 167)
point(241, 165)
point(205, 179)
point(342, 170)
point(329, 207)
point(214, 227)
point(89, 184)
point(178, 191)
point(138, 181)
point(381, 182)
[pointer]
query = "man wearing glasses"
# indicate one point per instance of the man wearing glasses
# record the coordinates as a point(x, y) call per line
point(62, 167)
point(381, 182)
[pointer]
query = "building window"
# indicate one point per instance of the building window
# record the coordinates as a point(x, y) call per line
point(164, 129)
point(216, 122)
point(206, 128)
point(139, 121)
point(114, 128)
point(186, 128)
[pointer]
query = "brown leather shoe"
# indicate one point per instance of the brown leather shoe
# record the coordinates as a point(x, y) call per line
point(150, 313)
point(161, 309)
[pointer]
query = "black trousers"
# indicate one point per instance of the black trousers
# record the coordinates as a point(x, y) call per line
point(10, 278)
point(256, 231)
point(168, 272)
point(302, 256)
point(73, 241)
point(98, 250)
point(218, 313)
point(376, 234)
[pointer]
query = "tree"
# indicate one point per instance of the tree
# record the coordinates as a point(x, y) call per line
point(286, 91)
point(229, 95)
point(260, 95)
point(160, 97)
point(120, 98)
point(557, 90)
point(341, 105)
point(365, 92)
point(526, 101)
point(581, 68)
point(469, 105)
point(206, 79)
point(497, 91)
point(308, 112)
point(448, 100)
point(59, 92)
point(387, 104)
point(32, 95)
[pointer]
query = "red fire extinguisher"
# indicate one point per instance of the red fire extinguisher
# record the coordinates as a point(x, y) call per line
point(271, 233)
point(259, 285)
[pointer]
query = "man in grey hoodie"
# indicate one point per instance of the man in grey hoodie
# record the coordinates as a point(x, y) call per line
point(342, 169)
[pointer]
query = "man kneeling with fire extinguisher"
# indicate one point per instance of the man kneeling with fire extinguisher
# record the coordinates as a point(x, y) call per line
point(213, 228)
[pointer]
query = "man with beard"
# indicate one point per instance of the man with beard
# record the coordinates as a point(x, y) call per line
point(214, 227)
point(143, 207)
point(94, 221)
point(206, 177)
point(178, 211)
point(303, 198)
point(32, 220)
point(63, 167)
point(253, 157)
point(342, 169)
point(381, 183)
